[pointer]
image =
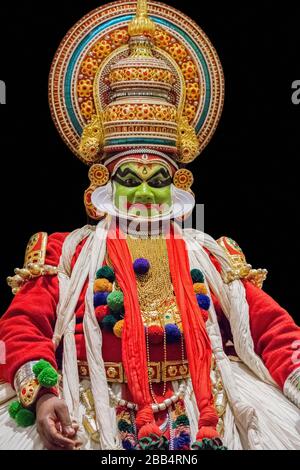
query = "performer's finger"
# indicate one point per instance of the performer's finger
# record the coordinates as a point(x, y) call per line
point(57, 439)
point(49, 445)
point(63, 415)
point(75, 426)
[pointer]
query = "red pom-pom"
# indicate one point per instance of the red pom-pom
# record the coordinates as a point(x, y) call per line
point(204, 315)
point(101, 312)
point(207, 432)
point(155, 334)
point(144, 416)
point(149, 429)
point(145, 423)
point(79, 329)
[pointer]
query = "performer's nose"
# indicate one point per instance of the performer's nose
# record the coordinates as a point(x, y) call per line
point(144, 194)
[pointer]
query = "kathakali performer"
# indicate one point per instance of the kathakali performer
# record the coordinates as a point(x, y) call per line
point(131, 332)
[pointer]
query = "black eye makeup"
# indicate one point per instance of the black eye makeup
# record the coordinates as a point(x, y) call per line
point(159, 182)
point(127, 178)
point(160, 179)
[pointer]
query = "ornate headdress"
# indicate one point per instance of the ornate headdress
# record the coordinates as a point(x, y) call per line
point(133, 80)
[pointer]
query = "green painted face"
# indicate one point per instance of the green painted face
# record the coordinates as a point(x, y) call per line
point(142, 189)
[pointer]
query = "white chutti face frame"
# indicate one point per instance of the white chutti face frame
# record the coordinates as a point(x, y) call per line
point(183, 203)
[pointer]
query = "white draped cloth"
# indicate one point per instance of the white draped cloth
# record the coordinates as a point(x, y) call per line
point(258, 415)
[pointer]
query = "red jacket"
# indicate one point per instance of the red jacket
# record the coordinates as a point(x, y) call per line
point(27, 326)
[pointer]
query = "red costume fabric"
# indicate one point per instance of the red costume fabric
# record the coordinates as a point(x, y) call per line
point(27, 326)
point(274, 332)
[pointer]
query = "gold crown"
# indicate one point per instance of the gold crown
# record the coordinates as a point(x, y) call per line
point(136, 76)
point(144, 103)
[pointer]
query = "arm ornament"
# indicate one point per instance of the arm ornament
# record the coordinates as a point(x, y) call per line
point(32, 380)
point(240, 269)
point(26, 381)
point(34, 263)
point(291, 387)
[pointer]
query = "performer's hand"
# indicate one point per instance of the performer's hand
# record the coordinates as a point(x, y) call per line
point(54, 424)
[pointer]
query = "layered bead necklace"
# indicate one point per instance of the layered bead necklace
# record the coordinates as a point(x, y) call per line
point(157, 301)
point(156, 297)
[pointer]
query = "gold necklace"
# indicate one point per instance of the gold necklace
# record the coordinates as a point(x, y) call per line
point(155, 291)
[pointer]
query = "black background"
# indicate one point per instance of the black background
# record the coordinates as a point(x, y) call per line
point(247, 177)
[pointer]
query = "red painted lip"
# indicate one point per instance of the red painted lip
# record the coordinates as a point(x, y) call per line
point(141, 206)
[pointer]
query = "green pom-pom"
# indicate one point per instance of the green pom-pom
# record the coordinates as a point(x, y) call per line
point(197, 276)
point(153, 442)
point(125, 427)
point(48, 377)
point(25, 418)
point(39, 366)
point(115, 301)
point(14, 408)
point(208, 444)
point(107, 273)
point(182, 420)
point(118, 315)
point(109, 322)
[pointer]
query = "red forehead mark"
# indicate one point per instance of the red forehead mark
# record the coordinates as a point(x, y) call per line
point(144, 165)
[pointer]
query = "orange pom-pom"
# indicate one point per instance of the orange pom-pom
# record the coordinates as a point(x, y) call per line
point(145, 423)
point(117, 329)
point(207, 432)
point(144, 416)
point(102, 285)
point(149, 429)
point(200, 288)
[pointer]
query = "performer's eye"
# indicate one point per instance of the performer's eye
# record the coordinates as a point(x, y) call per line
point(156, 183)
point(131, 182)
point(159, 182)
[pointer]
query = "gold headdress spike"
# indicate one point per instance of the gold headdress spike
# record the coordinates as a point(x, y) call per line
point(141, 24)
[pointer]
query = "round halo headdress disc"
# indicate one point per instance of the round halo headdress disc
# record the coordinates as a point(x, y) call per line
point(104, 30)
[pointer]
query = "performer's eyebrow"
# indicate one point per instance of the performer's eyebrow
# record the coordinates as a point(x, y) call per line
point(125, 172)
point(161, 171)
